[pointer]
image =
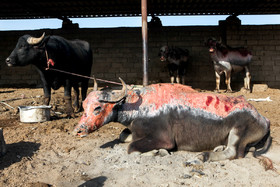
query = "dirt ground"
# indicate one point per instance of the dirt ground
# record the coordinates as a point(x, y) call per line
point(47, 154)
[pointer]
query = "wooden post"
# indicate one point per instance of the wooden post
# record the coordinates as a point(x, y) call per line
point(144, 41)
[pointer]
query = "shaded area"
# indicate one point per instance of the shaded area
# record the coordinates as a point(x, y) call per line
point(8, 91)
point(38, 184)
point(17, 151)
point(111, 144)
point(95, 182)
point(8, 122)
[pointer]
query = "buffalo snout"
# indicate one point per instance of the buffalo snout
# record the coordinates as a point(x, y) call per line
point(9, 61)
point(162, 58)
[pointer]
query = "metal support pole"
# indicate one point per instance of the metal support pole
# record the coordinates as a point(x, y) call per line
point(144, 41)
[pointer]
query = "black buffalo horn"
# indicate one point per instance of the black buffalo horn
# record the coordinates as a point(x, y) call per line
point(34, 41)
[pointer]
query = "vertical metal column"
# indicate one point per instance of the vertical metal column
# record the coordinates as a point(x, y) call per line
point(144, 41)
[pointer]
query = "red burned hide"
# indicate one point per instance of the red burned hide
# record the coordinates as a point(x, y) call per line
point(147, 101)
point(172, 116)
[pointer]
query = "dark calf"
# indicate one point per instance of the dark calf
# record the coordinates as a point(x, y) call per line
point(177, 59)
point(229, 60)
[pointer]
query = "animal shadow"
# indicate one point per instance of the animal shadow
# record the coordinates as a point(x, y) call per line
point(9, 91)
point(16, 152)
point(95, 182)
point(111, 144)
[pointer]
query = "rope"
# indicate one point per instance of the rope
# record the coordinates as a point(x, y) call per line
point(112, 82)
point(87, 77)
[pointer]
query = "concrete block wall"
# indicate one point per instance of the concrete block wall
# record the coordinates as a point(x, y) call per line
point(117, 52)
point(264, 42)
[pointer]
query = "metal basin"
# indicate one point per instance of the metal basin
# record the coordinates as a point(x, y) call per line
point(33, 114)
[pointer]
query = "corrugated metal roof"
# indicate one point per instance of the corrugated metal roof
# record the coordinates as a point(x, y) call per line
point(30, 9)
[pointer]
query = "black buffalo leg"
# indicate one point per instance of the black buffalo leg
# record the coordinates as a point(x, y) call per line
point(84, 88)
point(46, 87)
point(76, 97)
point(181, 73)
point(149, 143)
point(172, 71)
point(145, 140)
point(230, 151)
point(126, 136)
point(47, 95)
point(68, 101)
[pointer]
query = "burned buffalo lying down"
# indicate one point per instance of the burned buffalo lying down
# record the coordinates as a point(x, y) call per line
point(169, 116)
point(73, 56)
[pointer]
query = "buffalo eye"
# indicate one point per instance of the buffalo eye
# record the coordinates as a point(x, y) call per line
point(22, 46)
point(97, 110)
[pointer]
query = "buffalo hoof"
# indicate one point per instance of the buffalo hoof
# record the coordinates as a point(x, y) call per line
point(245, 90)
point(77, 109)
point(150, 153)
point(217, 91)
point(160, 152)
point(135, 153)
point(204, 156)
point(126, 136)
point(68, 107)
point(194, 163)
point(219, 148)
point(46, 100)
point(70, 115)
point(228, 91)
point(70, 112)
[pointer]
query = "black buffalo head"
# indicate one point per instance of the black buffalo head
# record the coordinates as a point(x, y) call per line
point(163, 53)
point(212, 43)
point(28, 50)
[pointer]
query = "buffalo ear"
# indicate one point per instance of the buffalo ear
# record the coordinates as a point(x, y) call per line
point(208, 41)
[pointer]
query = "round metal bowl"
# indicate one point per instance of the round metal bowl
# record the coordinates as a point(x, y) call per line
point(33, 114)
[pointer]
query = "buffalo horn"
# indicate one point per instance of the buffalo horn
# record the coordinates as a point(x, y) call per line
point(95, 84)
point(124, 89)
point(34, 41)
point(114, 97)
point(123, 93)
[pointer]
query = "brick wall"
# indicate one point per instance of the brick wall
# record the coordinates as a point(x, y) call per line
point(118, 53)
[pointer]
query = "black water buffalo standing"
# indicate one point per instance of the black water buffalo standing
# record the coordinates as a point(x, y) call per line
point(72, 56)
point(177, 59)
point(229, 60)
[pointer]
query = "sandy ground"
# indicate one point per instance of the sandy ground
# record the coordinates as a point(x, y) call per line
point(47, 154)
